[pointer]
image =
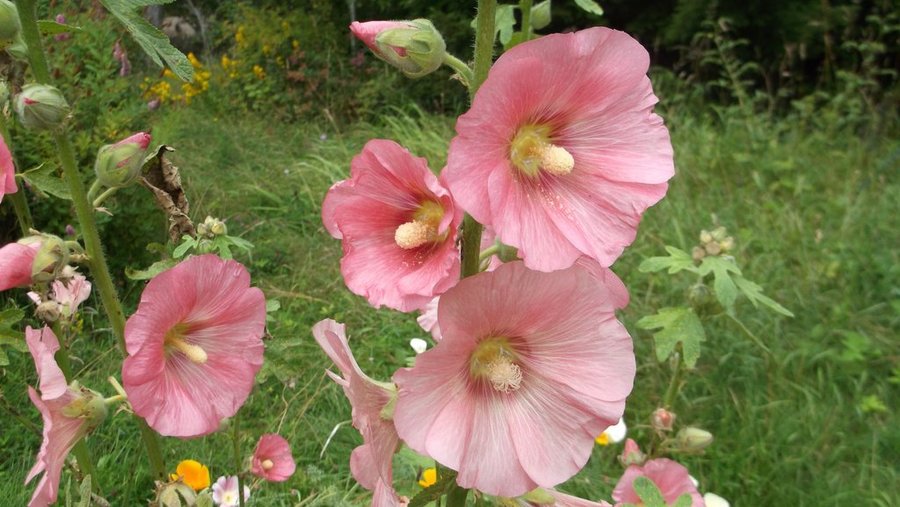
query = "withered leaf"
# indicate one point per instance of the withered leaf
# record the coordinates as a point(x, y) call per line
point(161, 176)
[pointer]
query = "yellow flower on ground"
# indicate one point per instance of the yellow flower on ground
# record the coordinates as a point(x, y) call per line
point(428, 477)
point(193, 473)
point(259, 72)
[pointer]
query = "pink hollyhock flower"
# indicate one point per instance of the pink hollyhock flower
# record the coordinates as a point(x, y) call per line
point(369, 30)
point(272, 459)
point(69, 413)
point(16, 262)
point(194, 346)
point(370, 463)
point(670, 477)
point(398, 226)
point(560, 152)
point(225, 492)
point(68, 294)
point(531, 367)
point(7, 171)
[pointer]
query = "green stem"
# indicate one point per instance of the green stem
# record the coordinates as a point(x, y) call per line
point(236, 441)
point(94, 190)
point(489, 251)
point(456, 497)
point(674, 384)
point(525, 7)
point(104, 196)
point(102, 280)
point(20, 205)
point(464, 71)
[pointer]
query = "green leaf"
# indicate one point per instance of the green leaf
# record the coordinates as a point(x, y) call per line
point(721, 268)
point(590, 6)
point(43, 178)
point(84, 492)
point(151, 40)
point(48, 27)
point(187, 243)
point(755, 295)
point(683, 501)
point(446, 479)
point(676, 325)
point(678, 260)
point(649, 493)
point(505, 21)
point(154, 269)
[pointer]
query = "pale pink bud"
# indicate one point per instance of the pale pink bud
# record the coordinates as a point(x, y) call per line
point(631, 454)
point(662, 420)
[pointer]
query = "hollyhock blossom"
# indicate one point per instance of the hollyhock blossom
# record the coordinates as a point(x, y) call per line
point(398, 226)
point(17, 262)
point(194, 346)
point(415, 47)
point(7, 171)
point(560, 152)
point(370, 463)
point(68, 294)
point(670, 477)
point(68, 412)
point(531, 367)
point(272, 459)
point(225, 492)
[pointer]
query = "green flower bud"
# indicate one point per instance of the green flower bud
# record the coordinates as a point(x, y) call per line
point(41, 107)
point(540, 15)
point(18, 49)
point(415, 47)
point(694, 439)
point(9, 22)
point(50, 259)
point(89, 406)
point(120, 164)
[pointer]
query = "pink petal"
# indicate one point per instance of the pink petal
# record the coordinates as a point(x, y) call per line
point(7, 171)
point(15, 264)
point(43, 344)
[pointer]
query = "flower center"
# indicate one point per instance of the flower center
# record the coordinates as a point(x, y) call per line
point(175, 341)
point(267, 464)
point(532, 150)
point(422, 229)
point(495, 361)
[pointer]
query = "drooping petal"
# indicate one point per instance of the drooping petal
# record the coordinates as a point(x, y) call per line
point(16, 261)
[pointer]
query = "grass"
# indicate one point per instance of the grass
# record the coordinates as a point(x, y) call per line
point(815, 217)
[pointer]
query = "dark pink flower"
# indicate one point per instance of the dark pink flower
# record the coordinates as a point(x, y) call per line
point(194, 346)
point(560, 152)
point(272, 459)
point(370, 463)
point(398, 226)
point(16, 262)
point(530, 368)
point(69, 413)
point(670, 477)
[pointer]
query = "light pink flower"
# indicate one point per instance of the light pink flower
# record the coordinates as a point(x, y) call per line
point(397, 224)
point(68, 294)
point(68, 414)
point(194, 346)
point(560, 152)
point(7, 171)
point(16, 262)
point(225, 492)
point(368, 30)
point(670, 477)
point(531, 367)
point(272, 458)
point(370, 463)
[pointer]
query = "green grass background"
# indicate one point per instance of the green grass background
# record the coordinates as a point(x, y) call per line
point(815, 215)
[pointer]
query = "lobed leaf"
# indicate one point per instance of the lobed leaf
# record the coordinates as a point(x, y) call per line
point(675, 325)
point(43, 179)
point(754, 293)
point(722, 268)
point(649, 492)
point(678, 260)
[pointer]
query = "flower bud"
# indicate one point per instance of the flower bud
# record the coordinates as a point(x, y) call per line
point(662, 420)
point(48, 311)
point(705, 236)
point(41, 107)
point(698, 253)
point(694, 439)
point(415, 47)
point(50, 259)
point(700, 296)
point(119, 165)
point(90, 406)
point(631, 454)
point(540, 15)
point(719, 233)
point(9, 22)
point(713, 248)
point(727, 244)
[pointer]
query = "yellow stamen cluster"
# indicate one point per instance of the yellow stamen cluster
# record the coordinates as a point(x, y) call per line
point(494, 360)
point(422, 229)
point(532, 150)
point(267, 464)
point(175, 342)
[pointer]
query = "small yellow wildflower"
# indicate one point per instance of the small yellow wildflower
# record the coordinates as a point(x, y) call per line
point(428, 477)
point(259, 72)
point(266, 49)
point(193, 473)
point(603, 439)
point(295, 44)
point(194, 61)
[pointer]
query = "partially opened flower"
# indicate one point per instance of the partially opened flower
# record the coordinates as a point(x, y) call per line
point(194, 346)
point(670, 477)
point(415, 47)
point(370, 463)
point(67, 294)
point(397, 224)
point(531, 367)
point(16, 262)
point(272, 459)
point(193, 473)
point(225, 492)
point(68, 412)
point(560, 152)
point(7, 171)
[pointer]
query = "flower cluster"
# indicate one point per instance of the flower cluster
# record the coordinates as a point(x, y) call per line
point(167, 90)
point(558, 157)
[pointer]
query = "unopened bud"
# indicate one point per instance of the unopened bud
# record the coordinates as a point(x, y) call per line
point(700, 295)
point(705, 236)
point(9, 22)
point(119, 164)
point(698, 253)
point(89, 406)
point(727, 244)
point(631, 454)
point(41, 107)
point(713, 248)
point(719, 233)
point(540, 15)
point(694, 439)
point(415, 47)
point(18, 49)
point(48, 311)
point(662, 420)
point(51, 257)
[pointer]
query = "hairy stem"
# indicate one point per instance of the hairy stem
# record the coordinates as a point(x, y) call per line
point(525, 7)
point(464, 71)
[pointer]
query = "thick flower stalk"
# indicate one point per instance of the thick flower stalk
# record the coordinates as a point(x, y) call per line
point(194, 346)
point(560, 152)
point(397, 225)
point(531, 367)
